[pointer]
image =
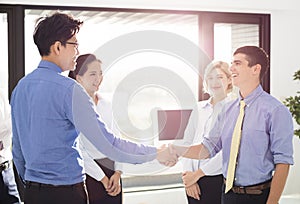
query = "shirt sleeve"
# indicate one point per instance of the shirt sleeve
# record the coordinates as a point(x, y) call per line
point(86, 120)
point(119, 166)
point(212, 141)
point(188, 138)
point(213, 166)
point(16, 150)
point(281, 135)
point(90, 166)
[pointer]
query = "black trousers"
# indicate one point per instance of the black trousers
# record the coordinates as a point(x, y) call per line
point(46, 194)
point(233, 198)
point(96, 191)
point(211, 190)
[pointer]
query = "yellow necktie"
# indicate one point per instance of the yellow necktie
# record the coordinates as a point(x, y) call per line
point(235, 144)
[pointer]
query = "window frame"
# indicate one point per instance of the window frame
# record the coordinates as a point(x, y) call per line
point(206, 26)
point(206, 21)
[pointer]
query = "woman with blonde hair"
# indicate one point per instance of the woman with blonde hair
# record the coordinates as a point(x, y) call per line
point(203, 178)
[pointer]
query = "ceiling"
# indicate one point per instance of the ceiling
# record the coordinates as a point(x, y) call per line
point(121, 17)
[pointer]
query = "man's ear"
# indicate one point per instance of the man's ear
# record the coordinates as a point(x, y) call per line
point(257, 69)
point(55, 48)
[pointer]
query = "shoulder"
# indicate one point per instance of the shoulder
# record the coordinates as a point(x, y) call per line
point(272, 104)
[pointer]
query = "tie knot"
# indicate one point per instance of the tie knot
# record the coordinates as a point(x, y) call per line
point(242, 104)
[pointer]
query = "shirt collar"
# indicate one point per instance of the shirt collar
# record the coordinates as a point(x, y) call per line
point(49, 65)
point(205, 103)
point(253, 95)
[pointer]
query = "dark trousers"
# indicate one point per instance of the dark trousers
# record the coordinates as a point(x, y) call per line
point(46, 194)
point(211, 190)
point(8, 187)
point(234, 198)
point(96, 191)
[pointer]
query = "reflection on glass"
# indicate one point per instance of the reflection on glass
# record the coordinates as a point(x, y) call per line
point(100, 28)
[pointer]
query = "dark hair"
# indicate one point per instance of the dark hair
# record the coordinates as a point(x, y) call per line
point(57, 27)
point(255, 55)
point(81, 65)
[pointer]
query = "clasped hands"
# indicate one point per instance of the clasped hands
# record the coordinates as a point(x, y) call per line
point(167, 155)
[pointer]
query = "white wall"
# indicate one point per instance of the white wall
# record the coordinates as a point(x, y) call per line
point(285, 40)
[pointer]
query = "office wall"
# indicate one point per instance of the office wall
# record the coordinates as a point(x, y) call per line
point(285, 40)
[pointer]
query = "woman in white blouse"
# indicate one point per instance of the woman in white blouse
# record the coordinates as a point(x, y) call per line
point(203, 178)
point(103, 175)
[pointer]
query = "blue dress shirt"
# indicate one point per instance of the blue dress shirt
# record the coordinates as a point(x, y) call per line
point(267, 136)
point(48, 112)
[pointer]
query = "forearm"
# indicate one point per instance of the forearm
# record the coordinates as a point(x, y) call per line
point(192, 152)
point(88, 123)
point(278, 183)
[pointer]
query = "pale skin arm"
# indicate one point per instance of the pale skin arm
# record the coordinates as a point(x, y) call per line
point(193, 191)
point(191, 177)
point(278, 183)
point(193, 152)
point(105, 181)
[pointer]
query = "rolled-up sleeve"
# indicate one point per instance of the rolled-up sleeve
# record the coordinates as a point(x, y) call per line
point(281, 135)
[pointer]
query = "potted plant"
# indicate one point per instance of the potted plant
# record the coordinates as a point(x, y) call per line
point(293, 103)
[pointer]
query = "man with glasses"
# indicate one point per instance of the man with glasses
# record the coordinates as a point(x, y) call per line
point(48, 112)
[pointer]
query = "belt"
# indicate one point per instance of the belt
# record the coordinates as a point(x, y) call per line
point(43, 185)
point(253, 190)
point(5, 165)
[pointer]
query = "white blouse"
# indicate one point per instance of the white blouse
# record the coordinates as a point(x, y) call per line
point(89, 152)
point(201, 121)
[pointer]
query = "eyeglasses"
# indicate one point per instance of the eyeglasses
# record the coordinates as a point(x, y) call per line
point(76, 44)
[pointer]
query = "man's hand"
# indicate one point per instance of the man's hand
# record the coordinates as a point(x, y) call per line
point(191, 177)
point(166, 156)
point(114, 186)
point(193, 191)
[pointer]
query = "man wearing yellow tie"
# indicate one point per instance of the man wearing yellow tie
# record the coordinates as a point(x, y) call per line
point(255, 133)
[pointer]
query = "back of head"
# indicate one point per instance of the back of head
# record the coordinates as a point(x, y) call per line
point(255, 55)
point(81, 65)
point(57, 27)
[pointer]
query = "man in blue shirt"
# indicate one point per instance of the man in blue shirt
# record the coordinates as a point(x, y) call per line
point(48, 112)
point(266, 135)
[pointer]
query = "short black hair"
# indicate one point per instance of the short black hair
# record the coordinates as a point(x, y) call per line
point(57, 27)
point(255, 55)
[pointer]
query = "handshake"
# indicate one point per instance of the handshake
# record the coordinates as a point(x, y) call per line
point(168, 155)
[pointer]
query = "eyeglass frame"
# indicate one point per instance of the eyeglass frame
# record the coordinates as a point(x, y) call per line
point(76, 44)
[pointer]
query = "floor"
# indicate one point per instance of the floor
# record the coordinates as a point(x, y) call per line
point(177, 195)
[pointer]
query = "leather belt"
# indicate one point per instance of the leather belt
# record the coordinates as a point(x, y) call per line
point(252, 190)
point(5, 165)
point(43, 185)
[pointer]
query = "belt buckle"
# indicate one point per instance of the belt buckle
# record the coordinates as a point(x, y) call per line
point(238, 189)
